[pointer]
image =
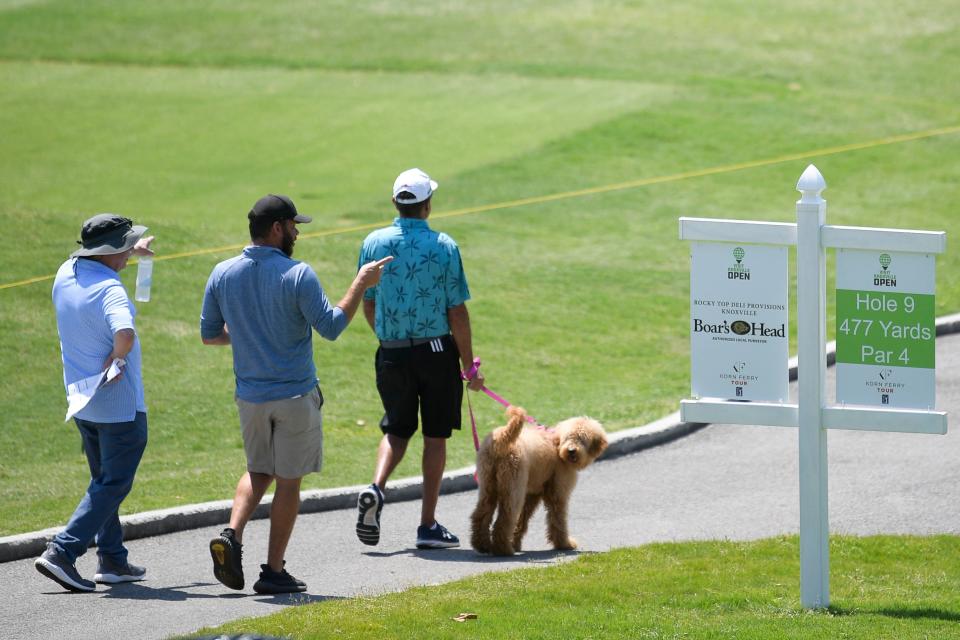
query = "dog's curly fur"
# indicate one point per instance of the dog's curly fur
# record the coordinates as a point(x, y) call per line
point(518, 468)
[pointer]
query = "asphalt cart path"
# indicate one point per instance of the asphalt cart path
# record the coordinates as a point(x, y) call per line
point(722, 482)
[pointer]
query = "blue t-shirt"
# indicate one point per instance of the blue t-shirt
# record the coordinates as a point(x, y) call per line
point(91, 306)
point(423, 281)
point(269, 302)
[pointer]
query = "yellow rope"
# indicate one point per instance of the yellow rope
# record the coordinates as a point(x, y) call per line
point(618, 186)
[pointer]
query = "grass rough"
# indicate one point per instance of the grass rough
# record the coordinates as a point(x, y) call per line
point(180, 114)
point(901, 587)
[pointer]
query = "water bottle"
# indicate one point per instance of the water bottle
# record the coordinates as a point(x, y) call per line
point(144, 279)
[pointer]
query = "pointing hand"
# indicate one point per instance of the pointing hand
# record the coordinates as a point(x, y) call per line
point(370, 273)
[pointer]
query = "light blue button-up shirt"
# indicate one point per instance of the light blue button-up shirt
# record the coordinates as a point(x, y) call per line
point(91, 306)
point(423, 281)
point(269, 302)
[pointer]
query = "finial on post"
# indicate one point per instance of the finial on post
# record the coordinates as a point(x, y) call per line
point(810, 184)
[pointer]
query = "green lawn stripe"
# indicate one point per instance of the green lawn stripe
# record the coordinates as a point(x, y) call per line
point(619, 186)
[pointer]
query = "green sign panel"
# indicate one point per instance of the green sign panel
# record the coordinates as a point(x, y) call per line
point(886, 328)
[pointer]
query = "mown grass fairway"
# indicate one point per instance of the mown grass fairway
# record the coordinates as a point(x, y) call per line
point(882, 587)
point(180, 114)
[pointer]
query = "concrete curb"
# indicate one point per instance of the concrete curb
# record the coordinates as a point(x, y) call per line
point(207, 514)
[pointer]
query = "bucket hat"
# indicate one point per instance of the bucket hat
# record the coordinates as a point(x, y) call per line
point(106, 234)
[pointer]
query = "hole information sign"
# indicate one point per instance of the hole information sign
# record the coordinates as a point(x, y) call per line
point(738, 321)
point(885, 351)
point(886, 329)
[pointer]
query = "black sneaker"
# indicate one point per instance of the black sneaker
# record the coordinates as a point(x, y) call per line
point(278, 581)
point(436, 537)
point(369, 506)
point(111, 572)
point(53, 565)
point(227, 556)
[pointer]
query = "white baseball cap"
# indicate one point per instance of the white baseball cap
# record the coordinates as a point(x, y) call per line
point(416, 182)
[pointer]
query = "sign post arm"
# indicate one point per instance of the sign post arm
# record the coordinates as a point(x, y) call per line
point(811, 342)
point(873, 239)
point(720, 230)
point(890, 420)
point(714, 411)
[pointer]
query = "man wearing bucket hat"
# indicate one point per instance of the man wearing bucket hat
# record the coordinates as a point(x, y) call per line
point(95, 323)
point(265, 305)
point(419, 314)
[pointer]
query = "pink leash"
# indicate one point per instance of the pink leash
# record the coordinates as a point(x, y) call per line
point(469, 375)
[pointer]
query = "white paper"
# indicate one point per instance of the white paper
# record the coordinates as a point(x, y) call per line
point(80, 393)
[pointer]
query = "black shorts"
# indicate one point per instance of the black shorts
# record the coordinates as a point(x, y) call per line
point(425, 377)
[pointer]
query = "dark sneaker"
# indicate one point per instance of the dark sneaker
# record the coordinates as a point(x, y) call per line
point(53, 565)
point(278, 581)
point(436, 537)
point(369, 506)
point(227, 556)
point(111, 572)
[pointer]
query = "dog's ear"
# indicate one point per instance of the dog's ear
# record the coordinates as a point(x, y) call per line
point(597, 446)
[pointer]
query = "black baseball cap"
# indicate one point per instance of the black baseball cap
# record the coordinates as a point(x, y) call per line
point(274, 207)
point(106, 234)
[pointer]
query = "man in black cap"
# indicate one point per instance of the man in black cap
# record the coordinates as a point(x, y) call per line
point(266, 304)
point(95, 323)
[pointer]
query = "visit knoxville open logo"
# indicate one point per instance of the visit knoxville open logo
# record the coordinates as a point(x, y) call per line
point(738, 271)
point(885, 277)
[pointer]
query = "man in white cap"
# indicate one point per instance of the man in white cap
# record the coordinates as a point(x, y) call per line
point(419, 314)
point(95, 323)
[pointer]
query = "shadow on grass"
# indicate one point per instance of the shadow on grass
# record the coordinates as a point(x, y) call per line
point(135, 591)
point(902, 613)
point(469, 555)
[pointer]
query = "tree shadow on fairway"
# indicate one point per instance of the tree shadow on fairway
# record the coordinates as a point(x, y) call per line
point(137, 591)
point(469, 555)
point(902, 613)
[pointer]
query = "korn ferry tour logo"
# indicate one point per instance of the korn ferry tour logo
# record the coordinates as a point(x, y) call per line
point(885, 385)
point(885, 277)
point(739, 378)
point(738, 271)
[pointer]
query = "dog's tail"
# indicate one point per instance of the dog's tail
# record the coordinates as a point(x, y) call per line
point(508, 434)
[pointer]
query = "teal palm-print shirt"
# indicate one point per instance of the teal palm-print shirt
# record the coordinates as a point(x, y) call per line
point(424, 279)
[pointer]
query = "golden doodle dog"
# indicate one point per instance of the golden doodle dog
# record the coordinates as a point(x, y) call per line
point(518, 468)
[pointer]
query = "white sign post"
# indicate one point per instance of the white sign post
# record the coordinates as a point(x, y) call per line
point(812, 236)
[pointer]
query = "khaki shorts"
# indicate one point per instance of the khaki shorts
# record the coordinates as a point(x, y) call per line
point(283, 438)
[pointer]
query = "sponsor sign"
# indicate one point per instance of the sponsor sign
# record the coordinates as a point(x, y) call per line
point(886, 329)
point(738, 321)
